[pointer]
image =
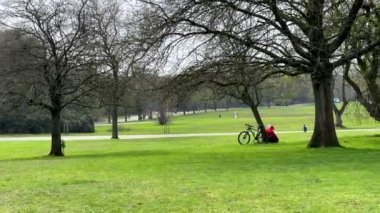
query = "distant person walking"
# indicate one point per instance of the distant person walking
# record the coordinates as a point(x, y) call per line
point(235, 114)
point(304, 128)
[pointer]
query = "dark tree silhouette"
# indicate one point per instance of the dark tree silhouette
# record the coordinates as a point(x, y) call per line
point(61, 66)
point(301, 35)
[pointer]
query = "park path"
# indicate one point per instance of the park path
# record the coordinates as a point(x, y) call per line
point(130, 137)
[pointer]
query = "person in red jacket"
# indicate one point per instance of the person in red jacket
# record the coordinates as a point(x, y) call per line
point(270, 136)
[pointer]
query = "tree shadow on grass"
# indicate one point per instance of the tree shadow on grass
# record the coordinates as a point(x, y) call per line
point(286, 160)
point(360, 143)
point(134, 153)
point(362, 150)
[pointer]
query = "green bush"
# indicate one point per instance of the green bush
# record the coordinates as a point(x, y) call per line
point(28, 120)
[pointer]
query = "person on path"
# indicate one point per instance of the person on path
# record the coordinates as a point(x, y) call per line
point(304, 128)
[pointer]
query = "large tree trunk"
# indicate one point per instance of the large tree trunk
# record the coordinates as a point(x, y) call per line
point(324, 134)
point(115, 100)
point(56, 145)
point(114, 114)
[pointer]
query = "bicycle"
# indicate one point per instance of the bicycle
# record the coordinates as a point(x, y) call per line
point(245, 136)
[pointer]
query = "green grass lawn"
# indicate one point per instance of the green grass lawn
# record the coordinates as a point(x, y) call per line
point(283, 118)
point(201, 174)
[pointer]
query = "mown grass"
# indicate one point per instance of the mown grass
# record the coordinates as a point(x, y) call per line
point(283, 118)
point(200, 174)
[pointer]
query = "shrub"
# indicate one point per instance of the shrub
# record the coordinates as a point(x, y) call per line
point(28, 120)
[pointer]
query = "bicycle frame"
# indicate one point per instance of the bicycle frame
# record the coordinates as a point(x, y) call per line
point(256, 135)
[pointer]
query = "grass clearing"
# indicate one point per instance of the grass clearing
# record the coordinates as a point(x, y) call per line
point(283, 118)
point(200, 174)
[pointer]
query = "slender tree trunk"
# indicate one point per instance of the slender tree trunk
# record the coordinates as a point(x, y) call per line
point(339, 112)
point(56, 132)
point(162, 113)
point(109, 114)
point(150, 115)
point(338, 119)
point(252, 99)
point(115, 100)
point(258, 119)
point(125, 115)
point(324, 134)
point(114, 114)
point(257, 116)
point(269, 102)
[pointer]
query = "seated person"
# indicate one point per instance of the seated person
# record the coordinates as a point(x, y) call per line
point(270, 136)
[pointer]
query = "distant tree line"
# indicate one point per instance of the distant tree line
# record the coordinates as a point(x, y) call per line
point(30, 120)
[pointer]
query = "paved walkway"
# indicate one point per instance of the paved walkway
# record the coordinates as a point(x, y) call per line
point(125, 123)
point(105, 137)
point(129, 137)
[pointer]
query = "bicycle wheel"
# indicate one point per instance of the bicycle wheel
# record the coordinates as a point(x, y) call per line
point(244, 137)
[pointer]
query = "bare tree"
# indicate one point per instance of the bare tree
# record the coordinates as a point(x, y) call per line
point(114, 50)
point(303, 35)
point(227, 68)
point(368, 65)
point(243, 82)
point(61, 62)
point(17, 68)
